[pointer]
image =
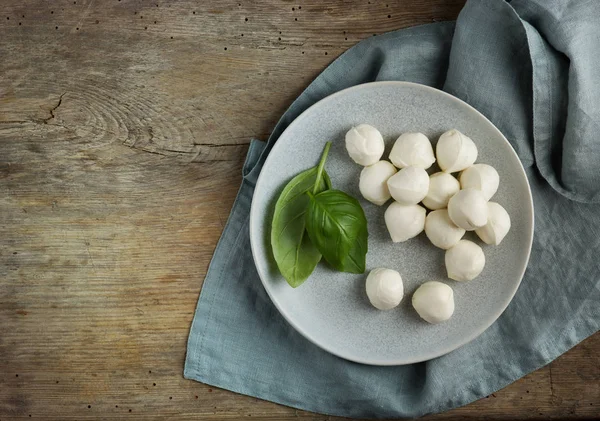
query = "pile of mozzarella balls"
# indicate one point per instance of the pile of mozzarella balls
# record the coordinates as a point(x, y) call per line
point(456, 205)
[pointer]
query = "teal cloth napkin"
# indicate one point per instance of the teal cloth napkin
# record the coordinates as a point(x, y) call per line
point(532, 68)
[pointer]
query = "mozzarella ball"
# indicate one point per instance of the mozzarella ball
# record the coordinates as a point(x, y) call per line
point(441, 231)
point(468, 209)
point(409, 185)
point(455, 151)
point(404, 221)
point(464, 261)
point(434, 302)
point(481, 177)
point(384, 288)
point(497, 226)
point(442, 186)
point(364, 144)
point(373, 182)
point(412, 149)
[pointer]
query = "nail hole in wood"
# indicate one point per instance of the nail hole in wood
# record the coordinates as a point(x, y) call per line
point(89, 406)
point(389, 16)
point(246, 19)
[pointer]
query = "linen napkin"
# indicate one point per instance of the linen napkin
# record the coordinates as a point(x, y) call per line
point(532, 67)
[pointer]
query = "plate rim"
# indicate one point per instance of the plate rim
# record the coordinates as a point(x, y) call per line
point(441, 351)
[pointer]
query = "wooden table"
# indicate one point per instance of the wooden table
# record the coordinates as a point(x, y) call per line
point(123, 126)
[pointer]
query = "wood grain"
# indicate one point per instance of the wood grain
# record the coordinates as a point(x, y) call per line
point(123, 127)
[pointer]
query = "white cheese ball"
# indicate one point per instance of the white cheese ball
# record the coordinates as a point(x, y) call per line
point(412, 149)
point(404, 221)
point(497, 226)
point(434, 302)
point(468, 209)
point(364, 144)
point(442, 186)
point(384, 288)
point(464, 261)
point(455, 151)
point(373, 182)
point(409, 185)
point(481, 177)
point(441, 231)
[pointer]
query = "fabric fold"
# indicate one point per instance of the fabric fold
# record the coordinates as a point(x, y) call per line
point(563, 39)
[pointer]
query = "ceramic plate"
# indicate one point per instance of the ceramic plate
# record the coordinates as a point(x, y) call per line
point(331, 308)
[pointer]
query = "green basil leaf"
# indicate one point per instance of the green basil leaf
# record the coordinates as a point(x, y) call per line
point(337, 226)
point(294, 253)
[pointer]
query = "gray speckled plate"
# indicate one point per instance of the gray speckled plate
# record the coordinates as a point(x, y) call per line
point(331, 308)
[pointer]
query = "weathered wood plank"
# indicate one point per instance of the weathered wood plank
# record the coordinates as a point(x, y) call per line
point(123, 127)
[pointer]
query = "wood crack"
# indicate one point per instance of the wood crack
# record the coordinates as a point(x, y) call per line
point(552, 393)
point(154, 152)
point(60, 98)
point(226, 145)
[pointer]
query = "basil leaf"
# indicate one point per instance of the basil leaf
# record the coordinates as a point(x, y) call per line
point(337, 226)
point(294, 253)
